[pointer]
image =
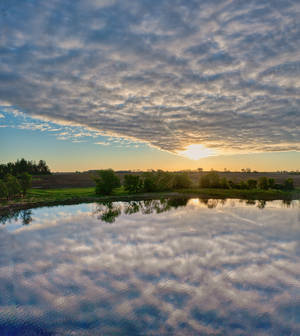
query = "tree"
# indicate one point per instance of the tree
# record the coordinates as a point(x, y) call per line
point(132, 183)
point(3, 189)
point(252, 184)
point(224, 183)
point(263, 183)
point(271, 183)
point(25, 182)
point(106, 181)
point(149, 183)
point(288, 184)
point(43, 168)
point(210, 180)
point(13, 186)
point(181, 180)
point(164, 180)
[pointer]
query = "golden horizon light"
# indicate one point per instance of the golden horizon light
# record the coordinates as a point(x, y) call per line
point(196, 152)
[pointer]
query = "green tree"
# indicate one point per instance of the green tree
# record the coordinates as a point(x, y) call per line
point(132, 183)
point(164, 180)
point(252, 184)
point(106, 181)
point(181, 180)
point(25, 182)
point(149, 183)
point(263, 183)
point(271, 183)
point(288, 184)
point(13, 186)
point(224, 183)
point(210, 180)
point(3, 190)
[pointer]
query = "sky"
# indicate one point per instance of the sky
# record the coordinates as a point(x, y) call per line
point(170, 84)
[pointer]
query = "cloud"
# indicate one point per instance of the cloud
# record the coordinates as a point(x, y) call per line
point(222, 74)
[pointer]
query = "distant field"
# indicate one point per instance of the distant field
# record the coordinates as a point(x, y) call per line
point(84, 180)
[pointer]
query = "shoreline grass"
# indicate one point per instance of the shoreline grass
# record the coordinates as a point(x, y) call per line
point(44, 197)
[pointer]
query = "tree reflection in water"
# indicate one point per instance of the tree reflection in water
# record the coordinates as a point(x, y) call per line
point(109, 211)
point(25, 216)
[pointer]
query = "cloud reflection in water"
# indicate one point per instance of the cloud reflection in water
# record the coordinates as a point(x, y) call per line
point(221, 268)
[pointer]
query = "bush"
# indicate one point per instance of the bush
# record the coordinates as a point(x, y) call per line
point(181, 180)
point(25, 182)
point(132, 183)
point(106, 181)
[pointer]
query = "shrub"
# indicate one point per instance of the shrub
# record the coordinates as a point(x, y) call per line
point(106, 181)
point(132, 183)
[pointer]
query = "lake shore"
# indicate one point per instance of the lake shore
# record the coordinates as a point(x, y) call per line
point(53, 197)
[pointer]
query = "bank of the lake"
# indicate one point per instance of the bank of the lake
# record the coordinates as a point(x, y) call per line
point(47, 197)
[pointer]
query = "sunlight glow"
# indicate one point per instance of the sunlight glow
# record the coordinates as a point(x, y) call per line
point(196, 152)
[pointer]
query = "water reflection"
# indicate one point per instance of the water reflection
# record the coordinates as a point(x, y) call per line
point(16, 215)
point(108, 211)
point(171, 267)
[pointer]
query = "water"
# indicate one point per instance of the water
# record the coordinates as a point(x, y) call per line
point(152, 268)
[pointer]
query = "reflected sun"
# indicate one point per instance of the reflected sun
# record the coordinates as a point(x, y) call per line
point(196, 152)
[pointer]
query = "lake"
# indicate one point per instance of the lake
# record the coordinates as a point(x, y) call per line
point(170, 267)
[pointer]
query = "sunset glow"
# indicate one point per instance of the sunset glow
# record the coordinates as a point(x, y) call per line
point(196, 152)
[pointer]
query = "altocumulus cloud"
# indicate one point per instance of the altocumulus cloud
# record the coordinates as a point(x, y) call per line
point(224, 74)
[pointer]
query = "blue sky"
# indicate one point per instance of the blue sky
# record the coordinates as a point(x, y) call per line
point(133, 84)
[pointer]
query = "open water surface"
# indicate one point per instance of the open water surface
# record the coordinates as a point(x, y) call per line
point(172, 267)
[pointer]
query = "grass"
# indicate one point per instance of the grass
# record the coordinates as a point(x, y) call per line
point(253, 194)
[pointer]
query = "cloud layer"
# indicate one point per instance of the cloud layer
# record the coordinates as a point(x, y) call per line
point(224, 74)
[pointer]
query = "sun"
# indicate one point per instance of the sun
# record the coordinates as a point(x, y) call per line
point(196, 152)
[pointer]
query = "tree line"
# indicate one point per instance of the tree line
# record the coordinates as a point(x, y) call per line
point(159, 181)
point(155, 181)
point(15, 177)
point(213, 180)
point(24, 166)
